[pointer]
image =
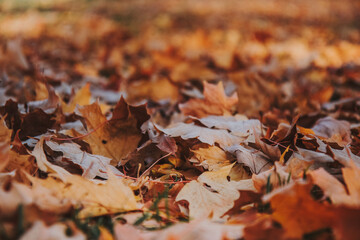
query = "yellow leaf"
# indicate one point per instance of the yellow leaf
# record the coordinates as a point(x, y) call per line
point(81, 98)
point(110, 196)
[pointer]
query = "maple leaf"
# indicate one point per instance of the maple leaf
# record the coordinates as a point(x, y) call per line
point(109, 196)
point(332, 188)
point(333, 130)
point(92, 165)
point(252, 158)
point(212, 194)
point(298, 213)
point(81, 98)
point(215, 102)
point(205, 135)
point(117, 137)
point(238, 125)
point(49, 104)
point(42, 162)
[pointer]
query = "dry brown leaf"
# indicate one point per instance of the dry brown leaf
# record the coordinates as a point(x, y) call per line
point(272, 151)
point(92, 165)
point(238, 125)
point(97, 199)
point(48, 103)
point(333, 130)
point(23, 162)
point(215, 102)
point(213, 194)
point(42, 162)
point(297, 212)
point(205, 135)
point(337, 192)
point(117, 137)
point(252, 158)
point(344, 156)
point(81, 98)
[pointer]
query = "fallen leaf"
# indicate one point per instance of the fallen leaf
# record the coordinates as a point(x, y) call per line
point(205, 135)
point(344, 156)
point(49, 103)
point(117, 137)
point(337, 192)
point(92, 165)
point(333, 130)
point(238, 125)
point(252, 158)
point(212, 194)
point(81, 98)
point(215, 102)
point(109, 196)
point(42, 162)
point(212, 158)
point(298, 213)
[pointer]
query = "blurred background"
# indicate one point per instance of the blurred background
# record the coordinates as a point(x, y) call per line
point(291, 56)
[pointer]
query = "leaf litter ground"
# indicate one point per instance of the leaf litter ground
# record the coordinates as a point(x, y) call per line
point(179, 120)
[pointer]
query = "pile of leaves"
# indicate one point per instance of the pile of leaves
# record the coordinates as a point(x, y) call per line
point(169, 120)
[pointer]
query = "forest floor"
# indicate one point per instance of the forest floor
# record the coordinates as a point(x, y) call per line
point(179, 119)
